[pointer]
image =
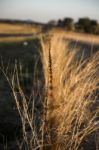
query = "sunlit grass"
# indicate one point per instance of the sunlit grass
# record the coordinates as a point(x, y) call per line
point(18, 28)
point(68, 116)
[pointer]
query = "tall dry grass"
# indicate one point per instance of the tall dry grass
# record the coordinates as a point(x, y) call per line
point(71, 114)
point(69, 97)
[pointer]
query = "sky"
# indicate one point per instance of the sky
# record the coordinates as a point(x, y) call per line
point(45, 10)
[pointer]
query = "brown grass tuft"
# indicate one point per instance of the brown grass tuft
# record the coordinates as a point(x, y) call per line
point(71, 115)
point(74, 84)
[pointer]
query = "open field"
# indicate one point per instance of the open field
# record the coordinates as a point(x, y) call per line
point(17, 32)
point(79, 37)
point(29, 31)
point(49, 90)
point(18, 28)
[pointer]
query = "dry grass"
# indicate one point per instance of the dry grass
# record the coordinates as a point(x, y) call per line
point(81, 37)
point(18, 28)
point(69, 107)
point(26, 29)
point(6, 28)
point(15, 39)
point(70, 115)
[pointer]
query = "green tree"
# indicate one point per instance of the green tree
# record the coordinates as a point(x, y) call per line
point(94, 26)
point(68, 23)
point(87, 25)
point(83, 24)
point(60, 23)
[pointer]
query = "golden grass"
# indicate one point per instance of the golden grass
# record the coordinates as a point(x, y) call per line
point(15, 39)
point(69, 115)
point(80, 37)
point(18, 28)
point(6, 28)
point(74, 82)
point(26, 29)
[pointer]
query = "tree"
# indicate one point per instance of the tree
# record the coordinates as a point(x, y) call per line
point(83, 24)
point(68, 23)
point(97, 30)
point(52, 23)
point(94, 26)
point(94, 23)
point(60, 23)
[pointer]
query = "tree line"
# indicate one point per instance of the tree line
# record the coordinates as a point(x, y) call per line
point(84, 25)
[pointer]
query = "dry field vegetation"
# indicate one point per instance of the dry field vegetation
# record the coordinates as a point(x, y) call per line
point(82, 37)
point(18, 28)
point(7, 28)
point(71, 85)
point(68, 119)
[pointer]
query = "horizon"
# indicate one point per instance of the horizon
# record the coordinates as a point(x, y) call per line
point(39, 22)
point(45, 10)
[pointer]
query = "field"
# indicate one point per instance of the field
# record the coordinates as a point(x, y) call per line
point(17, 32)
point(49, 89)
point(18, 28)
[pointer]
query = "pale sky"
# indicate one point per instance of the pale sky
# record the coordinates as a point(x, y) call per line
point(45, 10)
